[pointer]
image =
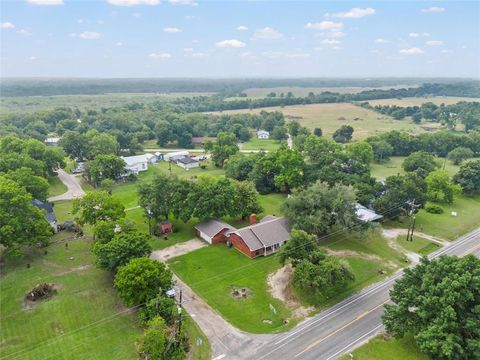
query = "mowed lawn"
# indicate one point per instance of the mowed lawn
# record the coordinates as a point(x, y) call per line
point(380, 348)
point(446, 225)
point(394, 167)
point(258, 144)
point(84, 320)
point(330, 117)
point(419, 245)
point(57, 187)
point(214, 271)
point(418, 101)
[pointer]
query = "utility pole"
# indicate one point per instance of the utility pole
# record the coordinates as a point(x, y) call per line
point(411, 227)
point(170, 167)
point(180, 313)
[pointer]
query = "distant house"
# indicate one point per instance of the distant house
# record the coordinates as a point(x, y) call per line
point(136, 164)
point(175, 155)
point(200, 141)
point(50, 215)
point(260, 239)
point(152, 159)
point(364, 214)
point(159, 156)
point(52, 141)
point(187, 163)
point(263, 134)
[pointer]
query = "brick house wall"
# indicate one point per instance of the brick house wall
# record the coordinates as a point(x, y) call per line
point(240, 245)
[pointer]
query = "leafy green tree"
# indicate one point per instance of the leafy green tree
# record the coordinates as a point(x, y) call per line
point(263, 173)
point(121, 249)
point(317, 148)
point(156, 197)
point(152, 345)
point(224, 147)
point(279, 133)
point(382, 150)
point(162, 306)
point(100, 143)
point(246, 199)
point(21, 223)
point(105, 167)
point(97, 205)
point(459, 154)
point(74, 144)
point(107, 185)
point(362, 151)
point(420, 162)
point(141, 279)
point(239, 166)
point(37, 186)
point(438, 302)
point(468, 177)
point(317, 132)
point(293, 128)
point(298, 248)
point(105, 230)
point(319, 207)
point(290, 167)
point(440, 187)
point(344, 134)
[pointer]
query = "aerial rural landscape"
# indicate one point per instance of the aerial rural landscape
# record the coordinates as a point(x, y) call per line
point(239, 180)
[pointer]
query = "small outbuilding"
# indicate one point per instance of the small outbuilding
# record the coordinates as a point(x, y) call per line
point(213, 231)
point(165, 227)
point(52, 141)
point(187, 163)
point(175, 155)
point(263, 134)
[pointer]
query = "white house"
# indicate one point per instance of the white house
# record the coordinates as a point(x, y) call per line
point(263, 134)
point(136, 164)
point(52, 141)
point(187, 163)
point(175, 155)
point(152, 159)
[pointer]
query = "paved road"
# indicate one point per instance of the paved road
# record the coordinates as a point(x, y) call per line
point(346, 325)
point(73, 185)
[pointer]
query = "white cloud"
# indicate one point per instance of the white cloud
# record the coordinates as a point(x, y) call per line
point(242, 28)
point(90, 35)
point(119, 43)
point(188, 49)
point(198, 55)
point(411, 51)
point(171, 30)
point(381, 41)
point(435, 43)
point(45, 2)
point(136, 15)
point(330, 42)
point(183, 2)
point(133, 2)
point(24, 32)
point(355, 13)
point(7, 25)
point(337, 34)
point(160, 56)
point(433, 9)
point(267, 33)
point(414, 34)
point(233, 43)
point(325, 25)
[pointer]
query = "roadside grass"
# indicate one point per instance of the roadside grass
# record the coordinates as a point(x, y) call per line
point(446, 226)
point(258, 144)
point(200, 350)
point(394, 167)
point(63, 210)
point(418, 101)
point(328, 117)
point(214, 271)
point(57, 187)
point(380, 348)
point(83, 320)
point(419, 245)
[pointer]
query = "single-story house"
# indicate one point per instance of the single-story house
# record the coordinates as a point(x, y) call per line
point(201, 140)
point(152, 159)
point(159, 156)
point(364, 214)
point(187, 163)
point(175, 155)
point(50, 215)
point(52, 141)
point(213, 231)
point(136, 164)
point(263, 134)
point(261, 239)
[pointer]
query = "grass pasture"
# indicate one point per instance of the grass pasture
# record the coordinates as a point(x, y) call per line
point(212, 272)
point(329, 118)
point(258, 144)
point(418, 101)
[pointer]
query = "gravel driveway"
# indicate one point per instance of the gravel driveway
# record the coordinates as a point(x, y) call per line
point(72, 183)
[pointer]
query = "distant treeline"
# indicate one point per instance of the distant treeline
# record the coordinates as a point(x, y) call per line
point(224, 87)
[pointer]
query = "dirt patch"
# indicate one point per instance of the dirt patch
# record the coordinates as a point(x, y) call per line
point(178, 249)
point(241, 293)
point(266, 321)
point(351, 253)
point(279, 288)
point(40, 293)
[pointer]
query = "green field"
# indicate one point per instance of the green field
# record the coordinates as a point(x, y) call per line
point(419, 245)
point(392, 349)
point(418, 101)
point(56, 186)
point(330, 117)
point(272, 203)
point(212, 272)
point(257, 144)
point(394, 167)
point(447, 226)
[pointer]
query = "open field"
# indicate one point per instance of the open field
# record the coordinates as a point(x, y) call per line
point(393, 349)
point(304, 91)
point(214, 271)
point(394, 167)
point(39, 103)
point(417, 101)
point(257, 144)
point(447, 226)
point(328, 117)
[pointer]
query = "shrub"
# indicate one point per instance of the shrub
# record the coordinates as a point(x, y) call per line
point(433, 209)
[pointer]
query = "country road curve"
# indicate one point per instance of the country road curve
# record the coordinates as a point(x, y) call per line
point(72, 183)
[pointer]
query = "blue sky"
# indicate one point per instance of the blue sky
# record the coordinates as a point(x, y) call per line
point(185, 38)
